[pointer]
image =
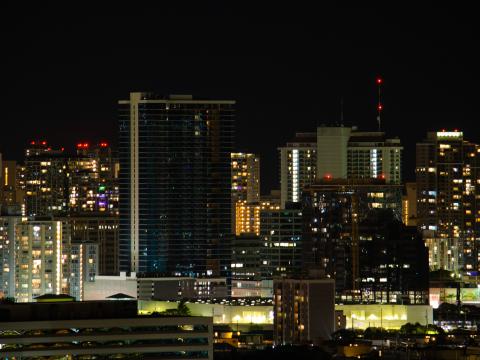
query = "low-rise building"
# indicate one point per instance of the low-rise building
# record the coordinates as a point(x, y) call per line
point(100, 328)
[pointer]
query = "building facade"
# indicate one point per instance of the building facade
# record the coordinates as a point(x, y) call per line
point(7, 255)
point(175, 182)
point(41, 259)
point(281, 233)
point(92, 180)
point(298, 162)
point(45, 179)
point(304, 311)
point(245, 177)
point(332, 211)
point(447, 174)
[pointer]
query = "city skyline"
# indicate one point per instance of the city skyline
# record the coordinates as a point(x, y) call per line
point(285, 79)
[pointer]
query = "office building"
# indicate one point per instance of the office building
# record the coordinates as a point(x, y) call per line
point(281, 233)
point(175, 183)
point(100, 329)
point(298, 162)
point(332, 211)
point(447, 211)
point(248, 252)
point(102, 231)
point(393, 262)
point(304, 311)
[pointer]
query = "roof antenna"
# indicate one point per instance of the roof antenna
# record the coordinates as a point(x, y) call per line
point(379, 105)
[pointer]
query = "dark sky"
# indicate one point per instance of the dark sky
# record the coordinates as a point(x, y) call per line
point(62, 70)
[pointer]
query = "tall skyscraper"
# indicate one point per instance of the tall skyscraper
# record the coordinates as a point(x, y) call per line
point(372, 155)
point(92, 182)
point(175, 184)
point(281, 233)
point(337, 152)
point(245, 177)
point(298, 162)
point(41, 259)
point(346, 153)
point(102, 231)
point(448, 175)
point(46, 186)
point(332, 144)
point(332, 211)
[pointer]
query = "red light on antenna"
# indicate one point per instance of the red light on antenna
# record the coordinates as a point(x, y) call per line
point(379, 81)
point(44, 142)
point(380, 107)
point(32, 143)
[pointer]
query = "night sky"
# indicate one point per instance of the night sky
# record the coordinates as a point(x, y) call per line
point(63, 72)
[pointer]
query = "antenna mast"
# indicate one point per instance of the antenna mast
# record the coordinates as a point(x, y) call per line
point(379, 105)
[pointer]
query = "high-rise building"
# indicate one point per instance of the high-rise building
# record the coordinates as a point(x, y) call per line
point(247, 217)
point(245, 177)
point(332, 211)
point(372, 155)
point(7, 255)
point(175, 184)
point(345, 152)
point(447, 171)
point(41, 259)
point(45, 178)
point(332, 153)
point(247, 255)
point(92, 182)
point(281, 233)
point(393, 262)
point(298, 162)
point(103, 232)
point(83, 267)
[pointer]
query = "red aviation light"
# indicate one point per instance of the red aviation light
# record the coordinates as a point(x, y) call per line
point(380, 107)
point(379, 81)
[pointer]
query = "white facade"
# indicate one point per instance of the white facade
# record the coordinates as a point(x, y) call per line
point(298, 162)
point(332, 143)
point(7, 255)
point(41, 259)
